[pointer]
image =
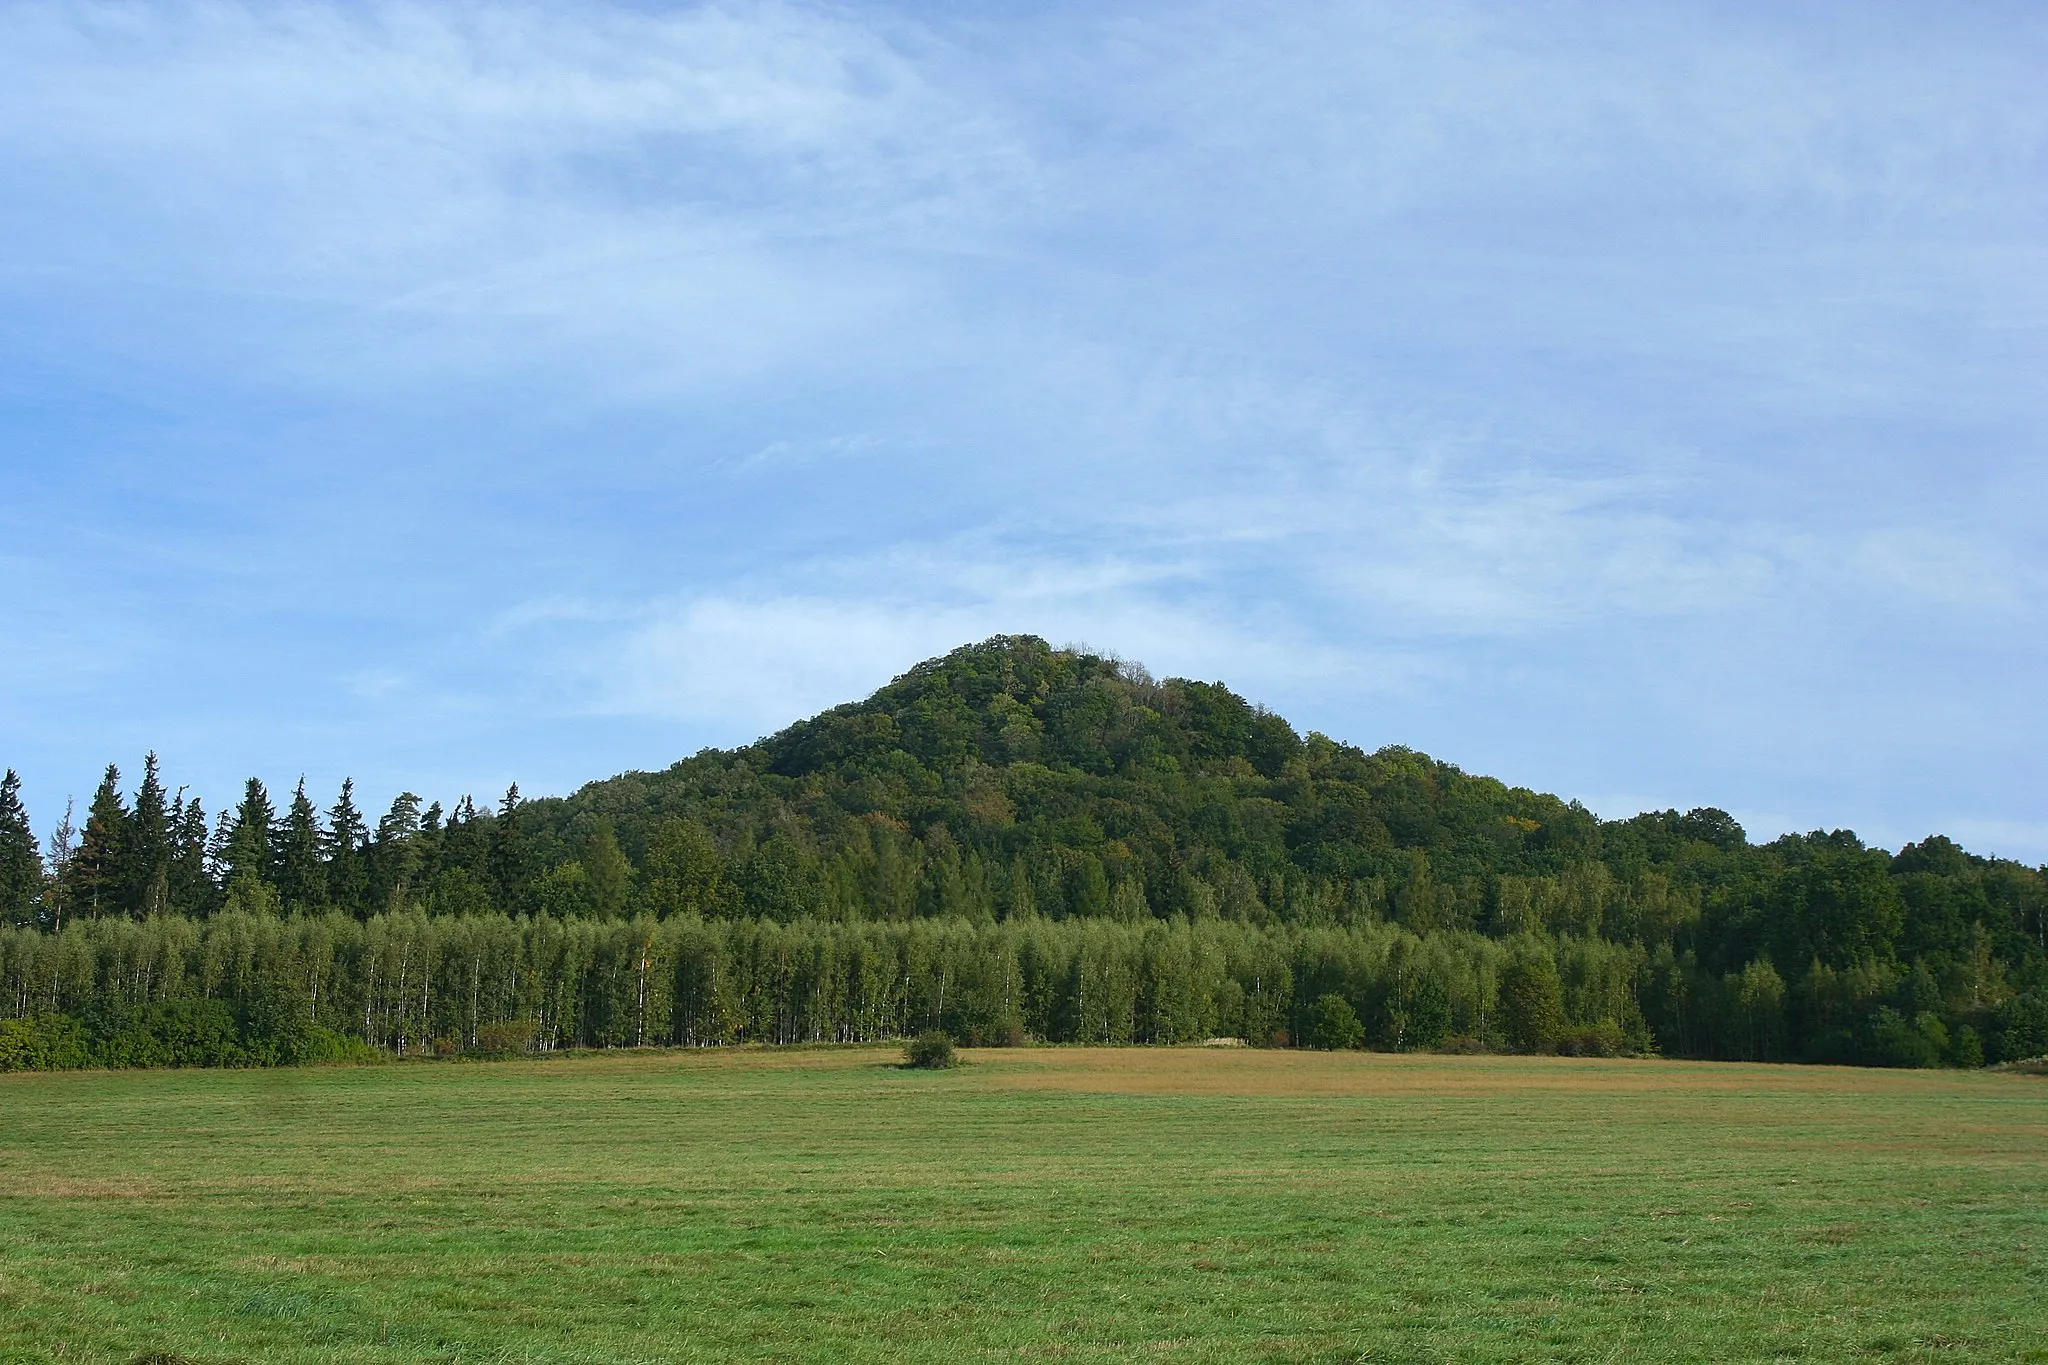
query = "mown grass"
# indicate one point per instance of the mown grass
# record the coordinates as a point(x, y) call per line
point(1059, 1203)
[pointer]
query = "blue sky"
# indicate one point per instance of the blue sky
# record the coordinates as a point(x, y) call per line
point(1644, 402)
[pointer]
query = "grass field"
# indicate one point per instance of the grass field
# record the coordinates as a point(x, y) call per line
point(1051, 1203)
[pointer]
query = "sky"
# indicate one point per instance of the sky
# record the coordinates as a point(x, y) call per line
point(1644, 403)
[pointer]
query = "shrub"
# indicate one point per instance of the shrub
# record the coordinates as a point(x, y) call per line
point(184, 1032)
point(50, 1042)
point(1333, 1024)
point(1604, 1039)
point(325, 1045)
point(505, 1037)
point(1898, 1041)
point(996, 1031)
point(932, 1051)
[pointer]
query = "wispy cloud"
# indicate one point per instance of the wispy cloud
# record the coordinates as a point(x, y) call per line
point(1631, 400)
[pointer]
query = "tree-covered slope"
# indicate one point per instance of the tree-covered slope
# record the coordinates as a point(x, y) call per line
point(1010, 783)
point(1010, 778)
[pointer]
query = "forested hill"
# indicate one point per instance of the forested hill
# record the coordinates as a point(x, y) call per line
point(1009, 778)
point(1012, 783)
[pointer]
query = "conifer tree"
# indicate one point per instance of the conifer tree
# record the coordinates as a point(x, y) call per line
point(396, 852)
point(219, 865)
point(192, 890)
point(465, 841)
point(148, 855)
point(433, 840)
point(348, 880)
point(511, 854)
point(301, 879)
point(246, 852)
point(99, 870)
point(21, 863)
point(57, 878)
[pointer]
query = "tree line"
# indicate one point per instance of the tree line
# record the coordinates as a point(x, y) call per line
point(244, 988)
point(1012, 793)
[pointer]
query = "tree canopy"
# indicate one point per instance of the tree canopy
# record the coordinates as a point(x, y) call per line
point(1011, 781)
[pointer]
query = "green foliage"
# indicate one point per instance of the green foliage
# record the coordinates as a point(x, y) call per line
point(100, 871)
point(301, 871)
point(146, 858)
point(1968, 1049)
point(246, 845)
point(1603, 1038)
point(49, 1042)
point(183, 1032)
point(1531, 1002)
point(21, 863)
point(1333, 1023)
point(1013, 785)
point(1896, 1040)
point(685, 875)
point(607, 874)
point(1758, 1011)
point(344, 845)
point(506, 1037)
point(931, 1050)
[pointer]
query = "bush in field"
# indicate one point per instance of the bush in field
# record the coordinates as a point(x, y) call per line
point(1604, 1039)
point(505, 1037)
point(931, 1051)
point(1332, 1023)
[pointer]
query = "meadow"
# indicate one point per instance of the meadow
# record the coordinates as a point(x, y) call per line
point(1047, 1203)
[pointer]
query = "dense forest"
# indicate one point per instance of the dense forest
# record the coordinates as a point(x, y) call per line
point(1009, 842)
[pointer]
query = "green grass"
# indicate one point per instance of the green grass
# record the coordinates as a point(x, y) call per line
point(1075, 1204)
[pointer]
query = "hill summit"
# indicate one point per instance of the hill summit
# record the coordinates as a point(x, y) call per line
point(1010, 778)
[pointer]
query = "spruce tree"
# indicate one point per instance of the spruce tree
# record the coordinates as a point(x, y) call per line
point(348, 879)
point(511, 854)
point(246, 851)
point(219, 864)
point(301, 878)
point(192, 890)
point(21, 863)
point(99, 871)
point(149, 846)
point(464, 841)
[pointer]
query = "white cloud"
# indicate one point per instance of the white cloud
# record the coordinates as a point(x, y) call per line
point(428, 190)
point(709, 365)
